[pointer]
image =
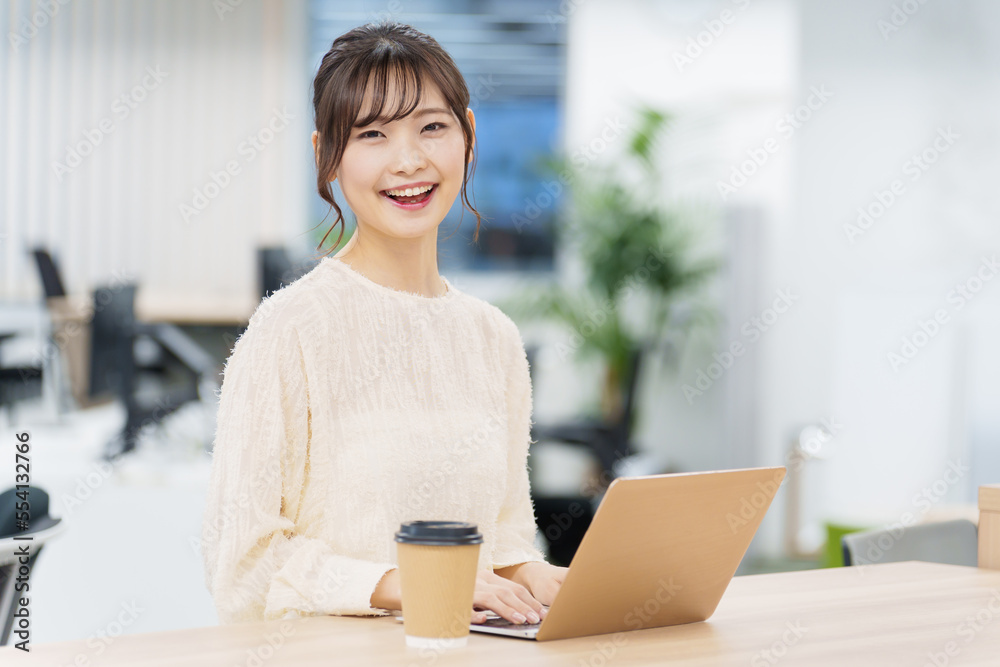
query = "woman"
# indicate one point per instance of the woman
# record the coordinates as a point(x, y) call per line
point(371, 391)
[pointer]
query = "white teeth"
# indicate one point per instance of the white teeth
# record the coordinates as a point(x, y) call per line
point(409, 192)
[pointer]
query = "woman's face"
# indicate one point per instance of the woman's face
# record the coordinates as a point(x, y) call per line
point(426, 148)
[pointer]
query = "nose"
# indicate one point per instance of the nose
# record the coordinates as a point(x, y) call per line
point(409, 157)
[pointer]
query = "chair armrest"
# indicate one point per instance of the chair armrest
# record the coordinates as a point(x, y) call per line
point(178, 343)
point(47, 529)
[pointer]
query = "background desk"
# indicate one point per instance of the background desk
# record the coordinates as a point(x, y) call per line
point(891, 614)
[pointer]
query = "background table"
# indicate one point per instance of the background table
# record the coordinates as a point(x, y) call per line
point(890, 614)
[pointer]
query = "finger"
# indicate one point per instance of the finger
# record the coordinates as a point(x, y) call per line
point(501, 602)
point(533, 604)
point(523, 608)
point(509, 600)
point(478, 616)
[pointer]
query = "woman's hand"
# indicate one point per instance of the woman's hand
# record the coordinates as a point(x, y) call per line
point(508, 599)
point(543, 580)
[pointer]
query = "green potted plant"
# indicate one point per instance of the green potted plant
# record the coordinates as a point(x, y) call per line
point(631, 247)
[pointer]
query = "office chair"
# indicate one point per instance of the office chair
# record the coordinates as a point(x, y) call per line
point(564, 519)
point(113, 368)
point(70, 317)
point(609, 441)
point(49, 272)
point(40, 528)
point(953, 542)
point(19, 383)
point(275, 269)
point(100, 344)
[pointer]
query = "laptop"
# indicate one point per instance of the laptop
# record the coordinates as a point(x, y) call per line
point(661, 550)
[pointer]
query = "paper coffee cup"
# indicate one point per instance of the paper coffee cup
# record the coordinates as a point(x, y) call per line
point(437, 578)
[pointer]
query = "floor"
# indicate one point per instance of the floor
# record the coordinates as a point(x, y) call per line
point(128, 560)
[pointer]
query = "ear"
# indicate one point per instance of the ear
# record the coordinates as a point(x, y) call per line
point(472, 121)
point(315, 142)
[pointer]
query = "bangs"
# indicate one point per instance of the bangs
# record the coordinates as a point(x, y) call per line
point(408, 85)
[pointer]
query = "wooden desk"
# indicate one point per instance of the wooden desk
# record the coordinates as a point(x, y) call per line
point(887, 614)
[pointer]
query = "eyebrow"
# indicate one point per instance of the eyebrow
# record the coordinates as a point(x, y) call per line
point(424, 112)
point(420, 112)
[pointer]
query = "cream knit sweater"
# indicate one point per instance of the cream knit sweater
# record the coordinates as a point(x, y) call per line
point(348, 407)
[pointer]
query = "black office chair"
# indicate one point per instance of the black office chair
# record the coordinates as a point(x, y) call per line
point(49, 272)
point(40, 527)
point(113, 368)
point(608, 441)
point(275, 269)
point(564, 519)
point(19, 383)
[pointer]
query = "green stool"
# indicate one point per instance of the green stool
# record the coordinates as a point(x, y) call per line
point(833, 553)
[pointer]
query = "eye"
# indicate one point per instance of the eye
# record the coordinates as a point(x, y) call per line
point(364, 135)
point(440, 126)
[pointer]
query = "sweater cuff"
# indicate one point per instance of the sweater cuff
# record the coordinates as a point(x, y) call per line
point(510, 558)
point(342, 589)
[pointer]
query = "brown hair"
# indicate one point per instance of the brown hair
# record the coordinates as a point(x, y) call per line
point(375, 52)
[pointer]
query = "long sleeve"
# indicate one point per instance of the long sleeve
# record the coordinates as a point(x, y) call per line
point(258, 564)
point(515, 540)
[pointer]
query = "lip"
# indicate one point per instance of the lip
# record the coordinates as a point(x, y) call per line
point(411, 207)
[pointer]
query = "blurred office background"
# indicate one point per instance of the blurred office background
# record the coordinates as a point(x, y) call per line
point(157, 180)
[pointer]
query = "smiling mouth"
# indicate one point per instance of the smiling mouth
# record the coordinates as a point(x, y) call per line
point(415, 199)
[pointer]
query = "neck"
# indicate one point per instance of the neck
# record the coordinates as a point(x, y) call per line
point(402, 264)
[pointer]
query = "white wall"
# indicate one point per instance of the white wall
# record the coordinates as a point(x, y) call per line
point(726, 100)
point(895, 89)
point(825, 358)
point(116, 213)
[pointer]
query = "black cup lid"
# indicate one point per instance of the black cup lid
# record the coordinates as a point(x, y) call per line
point(439, 533)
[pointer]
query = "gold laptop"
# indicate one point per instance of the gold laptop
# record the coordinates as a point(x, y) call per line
point(661, 550)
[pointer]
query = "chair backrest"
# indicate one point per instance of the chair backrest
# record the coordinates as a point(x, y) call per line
point(274, 267)
point(38, 504)
point(112, 365)
point(49, 273)
point(953, 542)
